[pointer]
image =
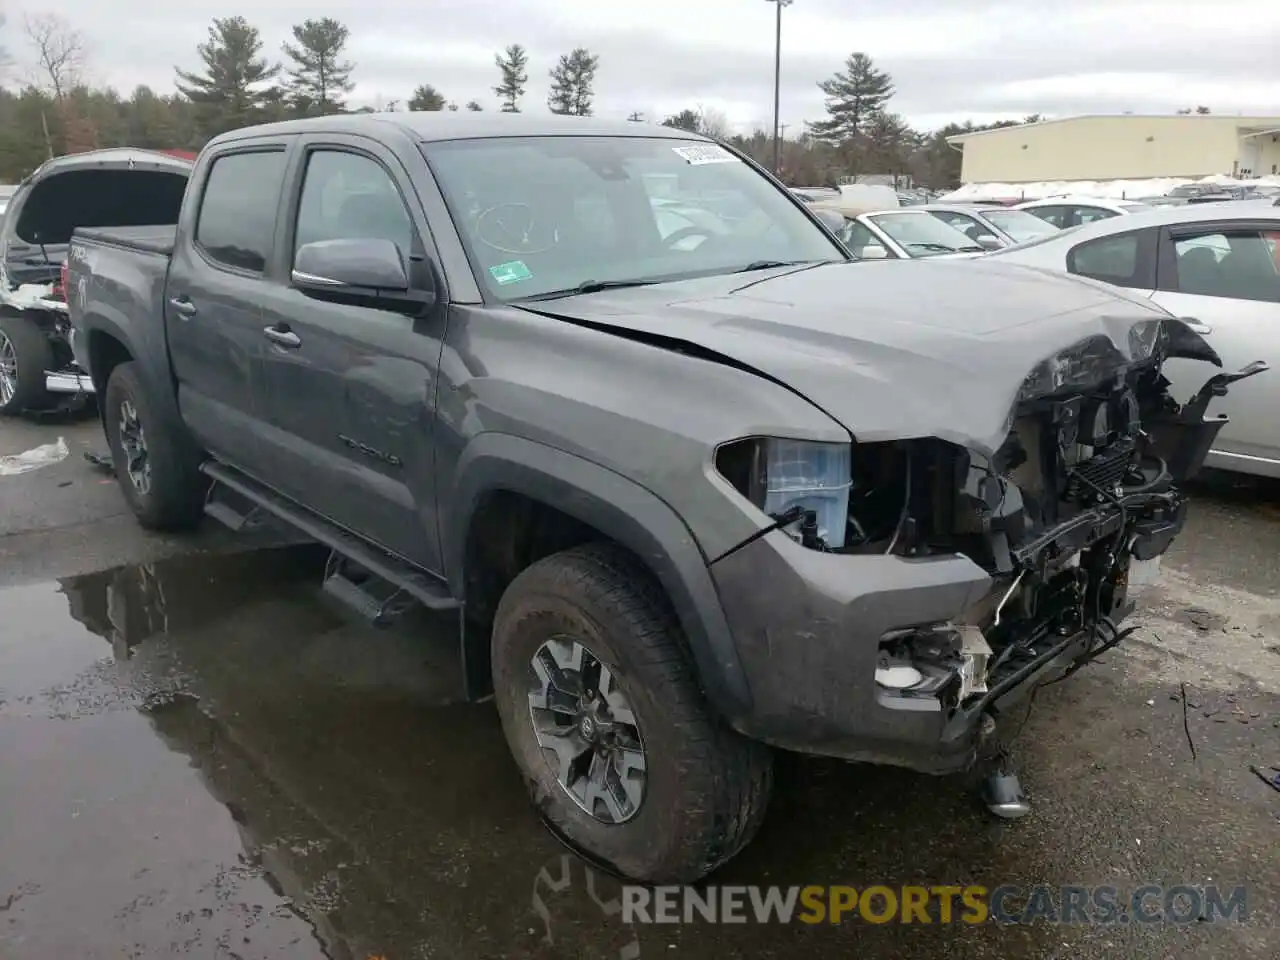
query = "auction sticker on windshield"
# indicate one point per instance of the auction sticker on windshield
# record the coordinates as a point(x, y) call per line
point(700, 153)
point(512, 271)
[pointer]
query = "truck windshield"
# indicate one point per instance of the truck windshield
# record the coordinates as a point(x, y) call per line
point(546, 215)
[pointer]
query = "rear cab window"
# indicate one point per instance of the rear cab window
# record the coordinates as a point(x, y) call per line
point(236, 222)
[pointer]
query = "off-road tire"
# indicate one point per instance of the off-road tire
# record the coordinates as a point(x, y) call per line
point(175, 500)
point(707, 787)
point(34, 355)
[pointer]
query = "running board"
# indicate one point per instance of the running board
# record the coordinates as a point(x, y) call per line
point(355, 567)
point(67, 381)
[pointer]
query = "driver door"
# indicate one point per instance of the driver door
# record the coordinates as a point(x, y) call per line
point(351, 389)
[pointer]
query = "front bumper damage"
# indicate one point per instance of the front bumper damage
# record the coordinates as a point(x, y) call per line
point(885, 659)
point(911, 658)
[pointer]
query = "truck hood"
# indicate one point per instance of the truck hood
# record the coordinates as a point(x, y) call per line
point(901, 349)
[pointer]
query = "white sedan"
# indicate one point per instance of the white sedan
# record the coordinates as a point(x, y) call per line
point(901, 234)
point(1216, 265)
point(1074, 211)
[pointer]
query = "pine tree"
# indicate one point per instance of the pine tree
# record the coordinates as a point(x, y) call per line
point(684, 120)
point(572, 80)
point(236, 84)
point(854, 96)
point(319, 76)
point(889, 143)
point(474, 106)
point(514, 67)
point(426, 97)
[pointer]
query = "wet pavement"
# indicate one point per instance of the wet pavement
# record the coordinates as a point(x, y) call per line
point(201, 756)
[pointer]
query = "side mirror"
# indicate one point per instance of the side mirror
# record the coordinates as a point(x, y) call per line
point(364, 269)
point(988, 242)
point(873, 252)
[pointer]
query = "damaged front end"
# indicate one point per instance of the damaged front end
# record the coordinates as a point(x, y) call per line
point(1077, 504)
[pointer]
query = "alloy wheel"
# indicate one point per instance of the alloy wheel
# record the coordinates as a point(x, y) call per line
point(8, 369)
point(587, 731)
point(133, 443)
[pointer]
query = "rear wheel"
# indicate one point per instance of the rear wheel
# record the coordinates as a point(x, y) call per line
point(25, 355)
point(159, 478)
point(600, 705)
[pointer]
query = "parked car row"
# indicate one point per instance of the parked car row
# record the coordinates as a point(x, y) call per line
point(1217, 264)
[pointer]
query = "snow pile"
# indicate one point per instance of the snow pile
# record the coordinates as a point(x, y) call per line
point(1113, 189)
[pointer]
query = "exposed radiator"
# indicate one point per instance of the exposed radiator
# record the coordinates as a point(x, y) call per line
point(1105, 470)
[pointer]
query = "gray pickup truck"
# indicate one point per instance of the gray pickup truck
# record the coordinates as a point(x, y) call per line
point(694, 482)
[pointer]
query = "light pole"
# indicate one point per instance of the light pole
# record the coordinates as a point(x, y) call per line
point(777, 83)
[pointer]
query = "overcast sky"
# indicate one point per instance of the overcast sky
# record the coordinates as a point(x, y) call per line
point(950, 60)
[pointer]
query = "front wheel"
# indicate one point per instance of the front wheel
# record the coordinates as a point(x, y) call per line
point(25, 355)
point(602, 710)
point(160, 480)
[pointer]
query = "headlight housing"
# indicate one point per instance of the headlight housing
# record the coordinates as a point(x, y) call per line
point(1081, 365)
point(778, 474)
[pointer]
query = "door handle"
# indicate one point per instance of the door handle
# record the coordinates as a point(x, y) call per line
point(183, 306)
point(284, 338)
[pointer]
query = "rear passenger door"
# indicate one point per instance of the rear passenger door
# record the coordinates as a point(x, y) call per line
point(351, 400)
point(1225, 275)
point(212, 298)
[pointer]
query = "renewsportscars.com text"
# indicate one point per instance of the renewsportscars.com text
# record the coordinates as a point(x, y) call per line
point(1101, 905)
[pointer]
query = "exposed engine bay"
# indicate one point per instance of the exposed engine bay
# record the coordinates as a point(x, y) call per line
point(1084, 489)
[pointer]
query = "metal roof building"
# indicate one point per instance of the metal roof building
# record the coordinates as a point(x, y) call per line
point(1122, 147)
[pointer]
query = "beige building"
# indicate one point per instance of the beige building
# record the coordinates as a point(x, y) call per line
point(1126, 147)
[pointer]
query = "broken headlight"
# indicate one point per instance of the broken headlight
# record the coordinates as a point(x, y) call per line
point(780, 475)
point(1086, 363)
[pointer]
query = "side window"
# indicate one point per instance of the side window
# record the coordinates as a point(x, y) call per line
point(237, 221)
point(1113, 259)
point(1091, 214)
point(1239, 264)
point(1055, 215)
point(348, 196)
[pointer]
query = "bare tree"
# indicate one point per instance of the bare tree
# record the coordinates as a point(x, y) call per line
point(59, 52)
point(5, 60)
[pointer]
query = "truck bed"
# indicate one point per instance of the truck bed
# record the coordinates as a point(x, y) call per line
point(157, 239)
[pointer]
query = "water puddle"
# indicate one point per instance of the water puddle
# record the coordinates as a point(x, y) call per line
point(204, 757)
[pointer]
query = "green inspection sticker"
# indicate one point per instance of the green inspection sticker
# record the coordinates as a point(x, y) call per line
point(513, 271)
